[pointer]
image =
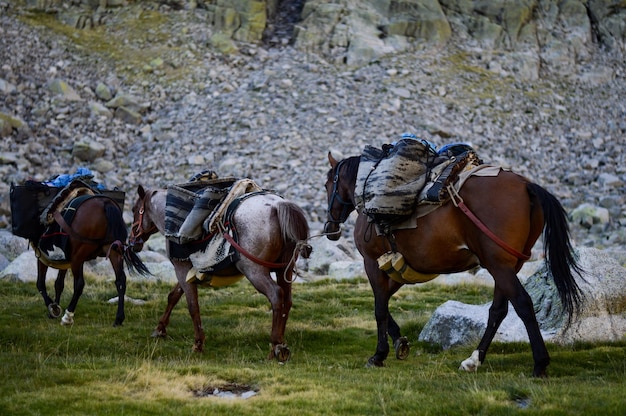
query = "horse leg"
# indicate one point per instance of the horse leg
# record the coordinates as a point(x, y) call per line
point(191, 293)
point(400, 344)
point(54, 311)
point(523, 305)
point(117, 261)
point(79, 286)
point(280, 351)
point(59, 284)
point(172, 299)
point(383, 289)
point(497, 313)
point(281, 304)
point(509, 288)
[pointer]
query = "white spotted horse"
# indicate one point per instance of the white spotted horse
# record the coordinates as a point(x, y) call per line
point(271, 233)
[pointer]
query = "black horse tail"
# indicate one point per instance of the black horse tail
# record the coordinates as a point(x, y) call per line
point(294, 226)
point(558, 251)
point(134, 263)
point(117, 232)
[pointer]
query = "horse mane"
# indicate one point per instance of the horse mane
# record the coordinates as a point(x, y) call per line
point(352, 166)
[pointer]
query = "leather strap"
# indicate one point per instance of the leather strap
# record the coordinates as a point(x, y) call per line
point(458, 202)
point(65, 227)
point(255, 259)
point(490, 234)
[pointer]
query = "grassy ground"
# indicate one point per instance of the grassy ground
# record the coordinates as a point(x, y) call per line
point(95, 369)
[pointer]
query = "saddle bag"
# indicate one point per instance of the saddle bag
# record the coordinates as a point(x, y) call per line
point(28, 201)
point(31, 199)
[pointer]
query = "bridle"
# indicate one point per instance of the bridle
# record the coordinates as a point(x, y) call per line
point(137, 233)
point(346, 206)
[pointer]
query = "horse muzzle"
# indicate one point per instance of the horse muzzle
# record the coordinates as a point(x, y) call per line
point(136, 245)
point(332, 230)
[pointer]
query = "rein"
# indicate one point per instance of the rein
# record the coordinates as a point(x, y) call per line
point(458, 202)
point(136, 230)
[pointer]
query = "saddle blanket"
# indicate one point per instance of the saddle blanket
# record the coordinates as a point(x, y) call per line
point(424, 208)
point(215, 256)
point(390, 179)
point(192, 213)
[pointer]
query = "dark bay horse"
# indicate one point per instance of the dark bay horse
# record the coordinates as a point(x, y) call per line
point(271, 231)
point(97, 230)
point(447, 241)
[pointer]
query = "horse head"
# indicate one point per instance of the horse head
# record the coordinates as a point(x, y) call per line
point(340, 193)
point(143, 225)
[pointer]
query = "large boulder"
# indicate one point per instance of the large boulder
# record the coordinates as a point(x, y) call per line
point(602, 318)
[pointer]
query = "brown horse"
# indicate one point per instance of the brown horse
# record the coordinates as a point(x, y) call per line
point(97, 230)
point(448, 241)
point(271, 234)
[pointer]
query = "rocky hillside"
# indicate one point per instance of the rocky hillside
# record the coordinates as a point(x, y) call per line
point(152, 93)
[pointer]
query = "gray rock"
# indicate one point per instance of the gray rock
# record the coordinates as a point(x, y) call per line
point(12, 246)
point(603, 317)
point(128, 115)
point(326, 253)
point(63, 89)
point(88, 150)
point(103, 92)
point(23, 269)
point(346, 269)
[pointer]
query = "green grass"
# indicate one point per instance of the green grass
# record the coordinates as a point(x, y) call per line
point(95, 369)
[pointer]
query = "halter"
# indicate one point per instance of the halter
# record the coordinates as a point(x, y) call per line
point(346, 205)
point(137, 231)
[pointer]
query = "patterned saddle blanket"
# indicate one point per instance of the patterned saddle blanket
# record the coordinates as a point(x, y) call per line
point(394, 181)
point(197, 213)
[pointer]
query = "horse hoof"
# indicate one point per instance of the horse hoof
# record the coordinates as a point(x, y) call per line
point(374, 362)
point(68, 319)
point(472, 363)
point(54, 310)
point(402, 348)
point(158, 334)
point(282, 353)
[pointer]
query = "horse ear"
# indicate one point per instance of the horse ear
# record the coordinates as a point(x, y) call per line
point(332, 160)
point(141, 191)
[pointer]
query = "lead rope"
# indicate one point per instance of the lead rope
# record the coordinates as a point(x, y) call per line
point(300, 246)
point(303, 245)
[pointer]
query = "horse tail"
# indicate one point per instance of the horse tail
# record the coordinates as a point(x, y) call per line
point(294, 226)
point(134, 263)
point(117, 231)
point(558, 251)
